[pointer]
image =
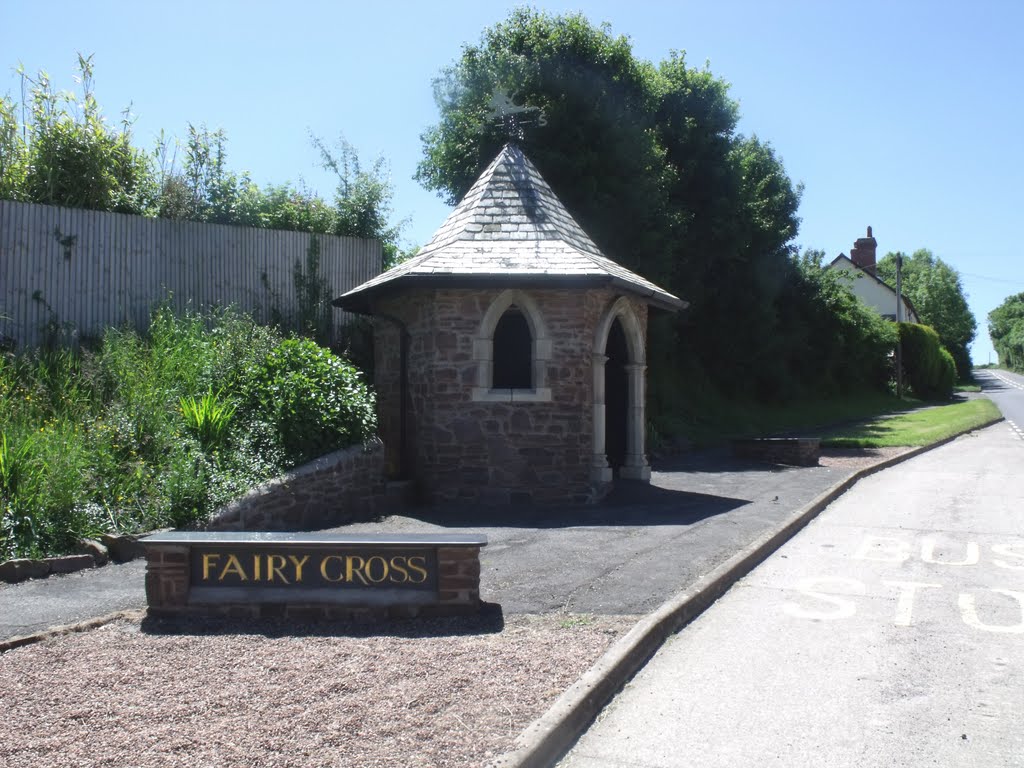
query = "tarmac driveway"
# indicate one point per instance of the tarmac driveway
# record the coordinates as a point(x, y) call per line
point(630, 553)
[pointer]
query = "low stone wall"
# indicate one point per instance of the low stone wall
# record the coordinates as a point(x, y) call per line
point(342, 487)
point(801, 451)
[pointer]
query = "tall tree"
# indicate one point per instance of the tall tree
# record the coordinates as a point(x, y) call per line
point(1006, 329)
point(647, 158)
point(935, 290)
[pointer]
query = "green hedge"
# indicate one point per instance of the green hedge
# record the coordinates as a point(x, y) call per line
point(928, 368)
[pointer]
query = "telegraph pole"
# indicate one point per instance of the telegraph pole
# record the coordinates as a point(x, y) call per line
point(899, 319)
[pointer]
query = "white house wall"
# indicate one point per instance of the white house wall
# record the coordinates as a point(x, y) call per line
point(873, 293)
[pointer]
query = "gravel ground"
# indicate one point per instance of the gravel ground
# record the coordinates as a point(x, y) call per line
point(852, 459)
point(439, 693)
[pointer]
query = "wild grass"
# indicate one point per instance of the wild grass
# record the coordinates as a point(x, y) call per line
point(155, 430)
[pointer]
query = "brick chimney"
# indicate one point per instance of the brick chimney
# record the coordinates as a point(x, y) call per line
point(863, 253)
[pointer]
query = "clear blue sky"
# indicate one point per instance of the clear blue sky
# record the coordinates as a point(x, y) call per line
point(905, 116)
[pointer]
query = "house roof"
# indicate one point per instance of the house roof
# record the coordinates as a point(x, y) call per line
point(876, 278)
point(509, 228)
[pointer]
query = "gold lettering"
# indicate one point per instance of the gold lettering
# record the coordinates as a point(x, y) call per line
point(209, 560)
point(369, 568)
point(298, 566)
point(233, 566)
point(323, 568)
point(398, 566)
point(420, 569)
point(256, 567)
point(351, 570)
point(274, 565)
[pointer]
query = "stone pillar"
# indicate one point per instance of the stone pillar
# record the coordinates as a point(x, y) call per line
point(458, 583)
point(167, 578)
point(600, 472)
point(636, 467)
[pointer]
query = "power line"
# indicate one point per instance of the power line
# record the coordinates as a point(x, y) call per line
point(993, 279)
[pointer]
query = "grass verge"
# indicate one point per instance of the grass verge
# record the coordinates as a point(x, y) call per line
point(919, 427)
point(719, 422)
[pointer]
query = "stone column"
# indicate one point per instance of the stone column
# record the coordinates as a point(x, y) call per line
point(600, 472)
point(636, 466)
point(167, 579)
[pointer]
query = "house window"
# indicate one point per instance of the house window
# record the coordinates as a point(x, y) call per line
point(513, 351)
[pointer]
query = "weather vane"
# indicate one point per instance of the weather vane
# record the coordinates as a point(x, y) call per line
point(512, 116)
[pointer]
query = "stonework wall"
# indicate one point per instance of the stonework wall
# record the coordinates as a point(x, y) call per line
point(387, 382)
point(341, 487)
point(493, 452)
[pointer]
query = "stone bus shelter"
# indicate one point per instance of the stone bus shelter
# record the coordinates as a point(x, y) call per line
point(510, 353)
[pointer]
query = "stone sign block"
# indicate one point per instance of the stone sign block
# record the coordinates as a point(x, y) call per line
point(312, 575)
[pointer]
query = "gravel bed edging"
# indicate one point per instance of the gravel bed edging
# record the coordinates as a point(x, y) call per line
point(67, 629)
point(549, 737)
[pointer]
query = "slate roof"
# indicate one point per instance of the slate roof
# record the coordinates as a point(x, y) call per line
point(509, 228)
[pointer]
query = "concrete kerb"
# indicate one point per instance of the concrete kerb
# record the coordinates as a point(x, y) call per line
point(67, 629)
point(549, 737)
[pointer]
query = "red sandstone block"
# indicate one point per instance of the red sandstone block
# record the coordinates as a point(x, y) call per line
point(174, 558)
point(404, 611)
point(304, 612)
point(457, 554)
point(467, 568)
point(458, 582)
point(238, 611)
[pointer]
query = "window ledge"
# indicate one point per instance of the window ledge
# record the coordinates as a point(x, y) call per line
point(486, 395)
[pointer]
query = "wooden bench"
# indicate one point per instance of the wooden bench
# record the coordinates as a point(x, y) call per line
point(802, 451)
point(312, 576)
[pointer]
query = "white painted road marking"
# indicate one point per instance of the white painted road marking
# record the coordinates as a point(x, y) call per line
point(1009, 382)
point(894, 550)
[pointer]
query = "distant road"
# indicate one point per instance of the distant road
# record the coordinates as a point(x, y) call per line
point(1006, 390)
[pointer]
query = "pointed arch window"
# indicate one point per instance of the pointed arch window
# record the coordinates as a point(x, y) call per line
point(512, 351)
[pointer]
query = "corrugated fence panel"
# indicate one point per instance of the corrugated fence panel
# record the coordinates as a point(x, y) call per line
point(77, 272)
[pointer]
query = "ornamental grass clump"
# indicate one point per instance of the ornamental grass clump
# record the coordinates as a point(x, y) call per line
point(208, 418)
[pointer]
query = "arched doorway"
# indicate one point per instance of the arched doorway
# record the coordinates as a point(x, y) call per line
point(616, 397)
point(619, 396)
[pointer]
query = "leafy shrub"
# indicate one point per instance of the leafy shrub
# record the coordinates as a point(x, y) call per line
point(74, 158)
point(928, 367)
point(314, 399)
point(151, 431)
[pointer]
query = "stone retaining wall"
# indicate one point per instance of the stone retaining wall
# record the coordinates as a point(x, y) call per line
point(342, 487)
point(801, 451)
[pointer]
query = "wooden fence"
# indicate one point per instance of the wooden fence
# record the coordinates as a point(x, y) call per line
point(76, 272)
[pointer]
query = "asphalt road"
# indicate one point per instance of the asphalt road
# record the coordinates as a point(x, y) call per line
point(889, 632)
point(1007, 391)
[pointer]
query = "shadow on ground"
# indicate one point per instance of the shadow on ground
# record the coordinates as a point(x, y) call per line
point(491, 620)
point(631, 503)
